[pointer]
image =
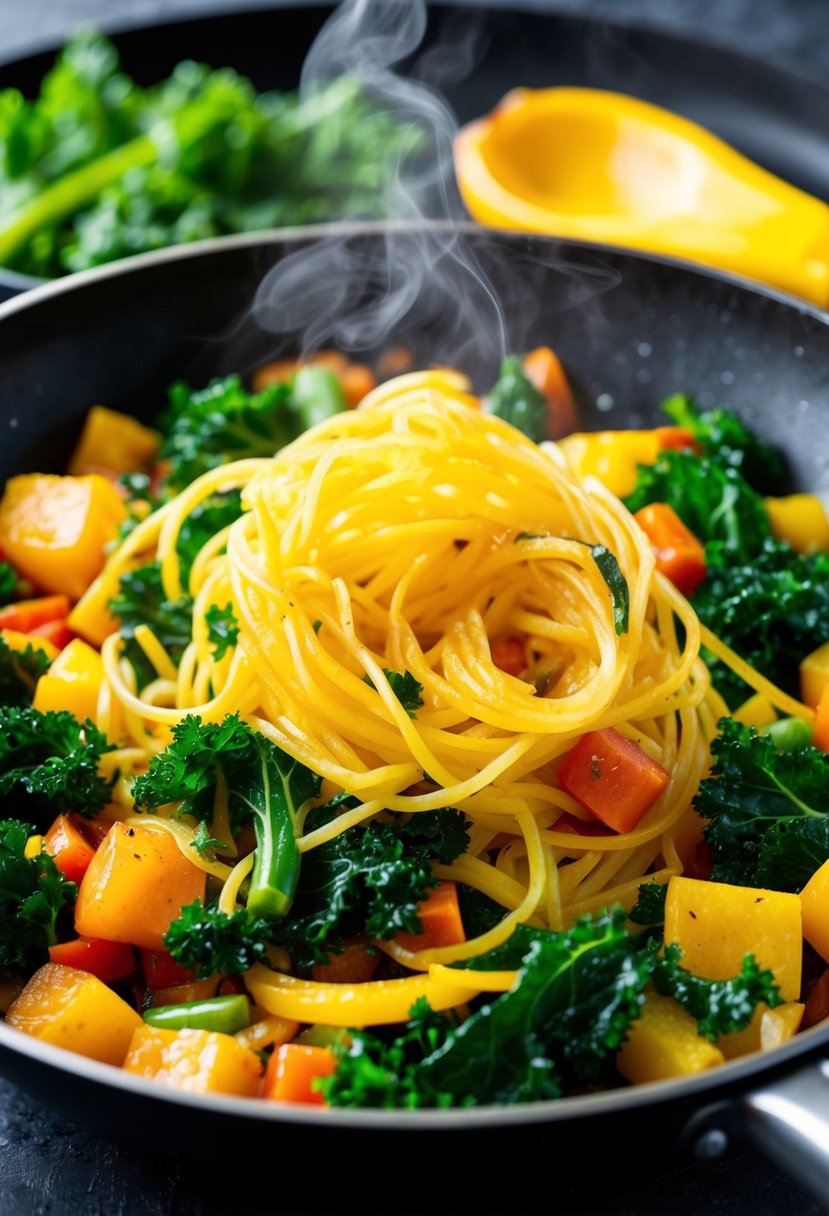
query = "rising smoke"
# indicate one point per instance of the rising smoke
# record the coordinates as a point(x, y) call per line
point(419, 276)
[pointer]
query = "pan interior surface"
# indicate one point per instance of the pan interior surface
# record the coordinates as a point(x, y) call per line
point(629, 330)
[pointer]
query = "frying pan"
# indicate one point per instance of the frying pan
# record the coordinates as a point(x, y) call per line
point(630, 330)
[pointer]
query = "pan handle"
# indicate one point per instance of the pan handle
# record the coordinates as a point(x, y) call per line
point(787, 1120)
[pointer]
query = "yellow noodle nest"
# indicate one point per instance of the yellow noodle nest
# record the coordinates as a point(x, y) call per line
point(406, 536)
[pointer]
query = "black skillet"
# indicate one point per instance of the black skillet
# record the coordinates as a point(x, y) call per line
point(630, 330)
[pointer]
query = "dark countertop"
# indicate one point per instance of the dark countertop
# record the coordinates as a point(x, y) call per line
point(47, 1165)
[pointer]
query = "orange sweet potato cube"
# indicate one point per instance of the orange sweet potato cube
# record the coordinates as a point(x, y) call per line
point(137, 883)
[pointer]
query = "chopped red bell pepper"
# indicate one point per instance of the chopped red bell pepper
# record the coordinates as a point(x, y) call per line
point(612, 777)
point(109, 961)
point(162, 971)
point(679, 555)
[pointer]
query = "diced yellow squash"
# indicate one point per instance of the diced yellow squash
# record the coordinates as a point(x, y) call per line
point(136, 884)
point(814, 900)
point(115, 441)
point(756, 711)
point(611, 456)
point(716, 925)
point(91, 617)
point(15, 640)
point(72, 682)
point(767, 1029)
point(200, 1061)
point(801, 521)
point(54, 530)
point(664, 1042)
point(814, 675)
point(73, 1009)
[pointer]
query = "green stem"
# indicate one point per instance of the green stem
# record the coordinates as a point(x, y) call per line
point(227, 1014)
point(68, 194)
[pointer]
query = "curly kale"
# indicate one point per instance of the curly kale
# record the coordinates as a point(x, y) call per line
point(33, 894)
point(224, 422)
point(405, 687)
point(719, 1006)
point(714, 501)
point(141, 600)
point(49, 765)
point(212, 942)
point(725, 439)
point(767, 809)
point(368, 880)
point(98, 167)
point(772, 610)
point(20, 671)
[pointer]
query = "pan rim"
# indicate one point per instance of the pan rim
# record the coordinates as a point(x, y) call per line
point(308, 233)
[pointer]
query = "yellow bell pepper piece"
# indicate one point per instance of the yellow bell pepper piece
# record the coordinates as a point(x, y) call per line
point(22, 641)
point(756, 711)
point(767, 1029)
point(199, 1061)
point(91, 617)
point(664, 1042)
point(801, 521)
point(814, 675)
point(611, 456)
point(72, 682)
point(54, 530)
point(602, 166)
point(375, 1003)
point(266, 1031)
point(814, 900)
point(115, 441)
point(716, 925)
point(73, 1009)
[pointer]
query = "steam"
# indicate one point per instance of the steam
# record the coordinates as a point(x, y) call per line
point(429, 285)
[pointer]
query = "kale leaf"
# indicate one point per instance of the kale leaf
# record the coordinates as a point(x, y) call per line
point(368, 880)
point(649, 908)
point(212, 942)
point(719, 1006)
point(222, 629)
point(199, 155)
point(33, 893)
point(767, 810)
point(8, 583)
point(20, 671)
point(725, 438)
point(516, 399)
point(49, 765)
point(772, 610)
point(261, 783)
point(617, 585)
point(141, 600)
point(714, 501)
point(405, 687)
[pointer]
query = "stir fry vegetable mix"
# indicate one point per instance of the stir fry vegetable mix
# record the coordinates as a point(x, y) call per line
point(112, 922)
point(98, 168)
